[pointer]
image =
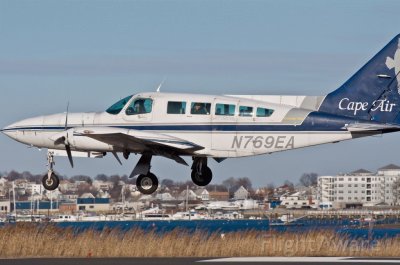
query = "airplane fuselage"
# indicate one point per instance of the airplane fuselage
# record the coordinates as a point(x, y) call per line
point(232, 126)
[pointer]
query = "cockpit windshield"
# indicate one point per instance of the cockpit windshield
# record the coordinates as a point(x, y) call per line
point(117, 107)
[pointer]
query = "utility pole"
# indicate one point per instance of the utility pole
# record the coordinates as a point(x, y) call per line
point(187, 200)
point(15, 206)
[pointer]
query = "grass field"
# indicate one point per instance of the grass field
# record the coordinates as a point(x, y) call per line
point(30, 240)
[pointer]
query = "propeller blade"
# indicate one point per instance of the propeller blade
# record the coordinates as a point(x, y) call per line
point(68, 149)
point(66, 117)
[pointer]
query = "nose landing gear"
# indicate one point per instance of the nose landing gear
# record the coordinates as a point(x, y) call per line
point(50, 181)
point(201, 173)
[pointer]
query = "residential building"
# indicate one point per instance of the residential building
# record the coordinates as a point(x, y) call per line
point(5, 206)
point(203, 194)
point(67, 186)
point(68, 196)
point(298, 200)
point(93, 204)
point(102, 185)
point(33, 188)
point(165, 196)
point(218, 195)
point(191, 195)
point(361, 188)
point(241, 193)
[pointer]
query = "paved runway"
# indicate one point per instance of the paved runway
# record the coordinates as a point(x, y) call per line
point(197, 261)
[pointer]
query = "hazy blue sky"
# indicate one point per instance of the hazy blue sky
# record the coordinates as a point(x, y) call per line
point(92, 53)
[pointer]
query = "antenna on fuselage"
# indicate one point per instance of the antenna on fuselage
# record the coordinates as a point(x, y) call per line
point(160, 85)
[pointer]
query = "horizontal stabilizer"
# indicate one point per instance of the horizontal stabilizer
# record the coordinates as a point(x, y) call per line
point(357, 127)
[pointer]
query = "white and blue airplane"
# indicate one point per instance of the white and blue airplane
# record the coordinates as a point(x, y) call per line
point(220, 127)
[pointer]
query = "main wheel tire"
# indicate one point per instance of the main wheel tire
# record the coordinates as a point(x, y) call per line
point(202, 179)
point(52, 183)
point(147, 184)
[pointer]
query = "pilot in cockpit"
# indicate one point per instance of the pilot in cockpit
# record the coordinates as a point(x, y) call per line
point(139, 107)
point(136, 108)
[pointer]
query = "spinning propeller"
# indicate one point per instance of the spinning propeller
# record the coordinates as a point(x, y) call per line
point(65, 141)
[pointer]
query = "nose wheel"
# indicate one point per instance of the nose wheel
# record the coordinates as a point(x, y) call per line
point(147, 184)
point(201, 173)
point(50, 181)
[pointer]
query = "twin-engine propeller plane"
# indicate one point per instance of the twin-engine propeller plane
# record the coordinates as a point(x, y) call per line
point(220, 127)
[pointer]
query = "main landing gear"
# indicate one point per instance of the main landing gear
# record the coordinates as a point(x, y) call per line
point(50, 181)
point(201, 173)
point(146, 182)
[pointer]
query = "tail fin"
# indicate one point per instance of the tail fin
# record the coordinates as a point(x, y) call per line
point(373, 93)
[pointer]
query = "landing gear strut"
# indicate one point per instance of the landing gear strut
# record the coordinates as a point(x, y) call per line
point(147, 182)
point(201, 173)
point(50, 181)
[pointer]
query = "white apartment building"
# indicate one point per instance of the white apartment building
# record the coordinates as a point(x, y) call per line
point(34, 188)
point(361, 188)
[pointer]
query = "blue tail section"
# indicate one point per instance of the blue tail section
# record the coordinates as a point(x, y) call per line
point(373, 92)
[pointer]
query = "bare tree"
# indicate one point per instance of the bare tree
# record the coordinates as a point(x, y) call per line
point(101, 177)
point(309, 179)
point(232, 184)
point(167, 183)
point(289, 184)
point(396, 191)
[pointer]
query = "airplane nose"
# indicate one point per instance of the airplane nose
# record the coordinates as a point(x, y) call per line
point(10, 131)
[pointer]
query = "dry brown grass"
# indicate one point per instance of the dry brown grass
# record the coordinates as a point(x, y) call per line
point(27, 240)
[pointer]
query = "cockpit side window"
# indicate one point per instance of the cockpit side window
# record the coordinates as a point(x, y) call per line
point(140, 106)
point(117, 107)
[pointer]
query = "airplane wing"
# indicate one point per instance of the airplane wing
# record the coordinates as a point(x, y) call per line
point(156, 143)
point(357, 127)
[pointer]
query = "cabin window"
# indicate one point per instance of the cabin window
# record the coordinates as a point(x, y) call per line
point(245, 111)
point(200, 108)
point(140, 106)
point(263, 112)
point(176, 107)
point(117, 107)
point(224, 109)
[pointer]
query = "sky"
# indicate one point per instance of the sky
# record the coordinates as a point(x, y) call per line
point(92, 53)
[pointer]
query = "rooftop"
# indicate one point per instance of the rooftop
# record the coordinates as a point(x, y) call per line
point(361, 171)
point(389, 167)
